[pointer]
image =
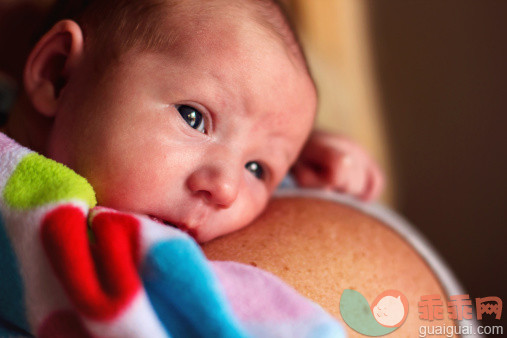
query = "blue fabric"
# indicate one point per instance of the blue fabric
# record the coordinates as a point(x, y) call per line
point(185, 293)
point(12, 300)
point(288, 182)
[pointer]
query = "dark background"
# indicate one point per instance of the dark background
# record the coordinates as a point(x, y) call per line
point(442, 72)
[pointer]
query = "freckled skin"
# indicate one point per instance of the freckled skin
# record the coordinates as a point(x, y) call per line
point(121, 130)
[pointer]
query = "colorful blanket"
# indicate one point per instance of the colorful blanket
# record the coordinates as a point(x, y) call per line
point(71, 269)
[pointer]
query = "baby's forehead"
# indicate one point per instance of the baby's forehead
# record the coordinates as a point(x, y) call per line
point(197, 20)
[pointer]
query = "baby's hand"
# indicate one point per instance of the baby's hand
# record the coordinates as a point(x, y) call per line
point(334, 162)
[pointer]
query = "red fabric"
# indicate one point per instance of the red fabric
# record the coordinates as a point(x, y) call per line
point(100, 277)
point(63, 324)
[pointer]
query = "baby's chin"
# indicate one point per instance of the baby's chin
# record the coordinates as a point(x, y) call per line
point(209, 232)
point(224, 225)
point(202, 236)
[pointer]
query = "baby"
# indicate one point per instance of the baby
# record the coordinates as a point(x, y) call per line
point(189, 111)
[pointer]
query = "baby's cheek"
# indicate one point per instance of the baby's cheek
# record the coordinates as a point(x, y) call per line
point(253, 204)
point(120, 183)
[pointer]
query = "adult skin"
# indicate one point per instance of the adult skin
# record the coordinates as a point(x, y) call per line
point(322, 248)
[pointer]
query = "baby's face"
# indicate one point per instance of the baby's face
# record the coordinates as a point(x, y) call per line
point(389, 311)
point(198, 136)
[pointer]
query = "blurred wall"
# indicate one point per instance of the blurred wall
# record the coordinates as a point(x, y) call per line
point(442, 74)
point(426, 80)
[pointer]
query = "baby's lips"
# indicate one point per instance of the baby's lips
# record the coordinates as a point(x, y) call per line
point(180, 226)
point(156, 219)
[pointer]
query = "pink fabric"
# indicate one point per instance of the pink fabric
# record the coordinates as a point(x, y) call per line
point(277, 302)
point(6, 142)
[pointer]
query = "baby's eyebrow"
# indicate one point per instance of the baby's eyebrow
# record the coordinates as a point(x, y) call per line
point(220, 95)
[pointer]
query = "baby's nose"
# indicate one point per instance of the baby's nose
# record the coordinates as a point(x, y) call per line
point(217, 184)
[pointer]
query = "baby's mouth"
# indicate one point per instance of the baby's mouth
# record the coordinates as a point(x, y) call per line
point(179, 226)
point(161, 221)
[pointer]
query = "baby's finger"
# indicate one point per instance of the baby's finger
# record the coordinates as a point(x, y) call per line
point(339, 171)
point(358, 179)
point(374, 185)
point(307, 176)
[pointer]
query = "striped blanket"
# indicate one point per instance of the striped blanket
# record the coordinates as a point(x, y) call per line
point(72, 269)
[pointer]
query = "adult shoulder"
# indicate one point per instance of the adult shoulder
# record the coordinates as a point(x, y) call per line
point(322, 247)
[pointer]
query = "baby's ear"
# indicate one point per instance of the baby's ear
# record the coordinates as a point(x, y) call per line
point(50, 63)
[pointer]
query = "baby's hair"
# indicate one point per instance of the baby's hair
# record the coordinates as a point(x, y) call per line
point(119, 25)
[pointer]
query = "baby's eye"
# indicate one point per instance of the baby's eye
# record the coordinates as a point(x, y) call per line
point(256, 169)
point(192, 117)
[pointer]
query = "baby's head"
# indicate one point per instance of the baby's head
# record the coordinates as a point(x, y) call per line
point(190, 111)
point(390, 308)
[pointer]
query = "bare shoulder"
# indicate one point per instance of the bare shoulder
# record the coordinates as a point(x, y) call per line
point(322, 248)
